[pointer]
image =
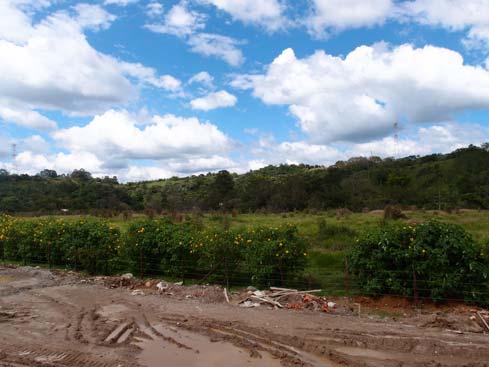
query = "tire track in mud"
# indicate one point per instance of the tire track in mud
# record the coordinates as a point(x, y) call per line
point(344, 348)
point(350, 348)
point(133, 330)
point(39, 356)
point(84, 326)
point(253, 343)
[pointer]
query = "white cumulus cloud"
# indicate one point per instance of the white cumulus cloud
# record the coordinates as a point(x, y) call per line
point(27, 118)
point(338, 15)
point(179, 21)
point(360, 96)
point(154, 9)
point(203, 78)
point(438, 138)
point(214, 100)
point(115, 143)
point(215, 45)
point(120, 2)
point(93, 16)
point(117, 135)
point(470, 15)
point(187, 24)
point(50, 65)
point(265, 13)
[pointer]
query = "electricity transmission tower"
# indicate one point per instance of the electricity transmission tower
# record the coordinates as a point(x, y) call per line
point(396, 139)
point(14, 158)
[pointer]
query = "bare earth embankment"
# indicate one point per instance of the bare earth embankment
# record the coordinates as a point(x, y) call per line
point(62, 319)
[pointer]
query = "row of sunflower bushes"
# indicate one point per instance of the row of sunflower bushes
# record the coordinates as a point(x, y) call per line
point(260, 256)
point(90, 245)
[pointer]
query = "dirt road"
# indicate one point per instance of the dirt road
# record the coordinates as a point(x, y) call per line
point(63, 320)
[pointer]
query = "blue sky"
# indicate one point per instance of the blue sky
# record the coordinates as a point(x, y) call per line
point(147, 89)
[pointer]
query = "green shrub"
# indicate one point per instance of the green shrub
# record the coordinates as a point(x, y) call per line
point(142, 246)
point(161, 246)
point(435, 260)
point(20, 241)
point(274, 255)
point(179, 258)
point(89, 245)
point(5, 221)
point(259, 256)
point(221, 255)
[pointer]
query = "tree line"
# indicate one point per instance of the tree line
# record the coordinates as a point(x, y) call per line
point(459, 179)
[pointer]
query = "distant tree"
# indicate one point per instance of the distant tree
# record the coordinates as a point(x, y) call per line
point(223, 183)
point(81, 174)
point(221, 190)
point(48, 173)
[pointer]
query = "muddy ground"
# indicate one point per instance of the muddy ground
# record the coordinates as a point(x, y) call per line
point(63, 319)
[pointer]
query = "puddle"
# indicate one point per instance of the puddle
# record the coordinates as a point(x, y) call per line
point(183, 348)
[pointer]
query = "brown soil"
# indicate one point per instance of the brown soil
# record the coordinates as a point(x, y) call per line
point(63, 319)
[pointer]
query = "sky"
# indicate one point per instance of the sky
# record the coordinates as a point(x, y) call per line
point(147, 89)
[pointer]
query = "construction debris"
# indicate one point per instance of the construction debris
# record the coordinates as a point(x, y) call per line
point(287, 298)
point(249, 304)
point(484, 316)
point(161, 286)
point(250, 297)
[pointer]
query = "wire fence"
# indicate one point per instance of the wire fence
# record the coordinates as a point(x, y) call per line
point(333, 282)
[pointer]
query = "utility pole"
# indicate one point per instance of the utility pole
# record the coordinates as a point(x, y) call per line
point(14, 157)
point(396, 139)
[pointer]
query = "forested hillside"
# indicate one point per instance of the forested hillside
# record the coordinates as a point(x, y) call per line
point(457, 179)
